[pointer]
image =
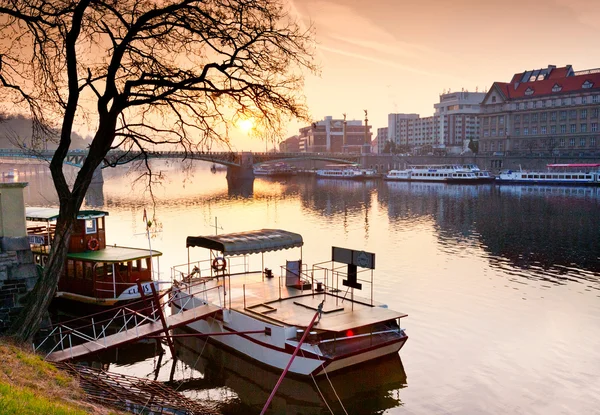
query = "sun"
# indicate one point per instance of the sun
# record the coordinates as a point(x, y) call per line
point(245, 125)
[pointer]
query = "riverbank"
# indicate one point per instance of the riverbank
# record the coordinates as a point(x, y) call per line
point(29, 385)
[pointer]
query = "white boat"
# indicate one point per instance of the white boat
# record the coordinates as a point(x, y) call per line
point(398, 175)
point(483, 175)
point(587, 174)
point(269, 318)
point(275, 170)
point(464, 176)
point(342, 172)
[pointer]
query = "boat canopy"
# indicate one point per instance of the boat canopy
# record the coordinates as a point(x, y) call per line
point(42, 214)
point(250, 242)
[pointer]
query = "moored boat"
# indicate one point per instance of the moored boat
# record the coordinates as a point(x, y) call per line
point(268, 317)
point(343, 172)
point(585, 174)
point(275, 170)
point(95, 274)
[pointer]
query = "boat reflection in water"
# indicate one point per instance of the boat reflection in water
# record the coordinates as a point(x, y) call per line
point(369, 388)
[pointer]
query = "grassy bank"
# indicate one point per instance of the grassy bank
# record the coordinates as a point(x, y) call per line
point(29, 385)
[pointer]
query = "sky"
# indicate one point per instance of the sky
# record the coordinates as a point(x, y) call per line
point(389, 56)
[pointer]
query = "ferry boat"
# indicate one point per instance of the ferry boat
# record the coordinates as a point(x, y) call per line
point(95, 274)
point(586, 174)
point(343, 172)
point(275, 170)
point(484, 176)
point(442, 173)
point(307, 319)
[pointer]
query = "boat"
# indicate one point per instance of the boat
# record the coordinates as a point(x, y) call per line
point(464, 176)
point(275, 170)
point(343, 172)
point(267, 317)
point(398, 175)
point(95, 274)
point(582, 174)
point(484, 176)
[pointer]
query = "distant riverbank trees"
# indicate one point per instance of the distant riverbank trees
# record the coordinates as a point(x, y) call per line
point(141, 73)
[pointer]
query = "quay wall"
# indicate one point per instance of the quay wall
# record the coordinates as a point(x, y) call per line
point(18, 272)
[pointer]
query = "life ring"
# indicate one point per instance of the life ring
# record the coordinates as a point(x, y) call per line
point(93, 244)
point(219, 264)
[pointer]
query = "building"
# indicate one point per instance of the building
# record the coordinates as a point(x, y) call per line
point(381, 139)
point(290, 145)
point(335, 136)
point(454, 123)
point(457, 116)
point(544, 111)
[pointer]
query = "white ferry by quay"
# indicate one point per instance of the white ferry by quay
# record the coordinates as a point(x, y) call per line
point(441, 173)
point(579, 174)
point(306, 319)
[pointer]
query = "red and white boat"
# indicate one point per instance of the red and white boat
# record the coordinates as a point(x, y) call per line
point(96, 275)
point(265, 316)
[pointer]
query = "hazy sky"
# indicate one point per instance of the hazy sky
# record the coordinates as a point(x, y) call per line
point(398, 56)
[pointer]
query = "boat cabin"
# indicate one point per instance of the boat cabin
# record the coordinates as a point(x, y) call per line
point(94, 272)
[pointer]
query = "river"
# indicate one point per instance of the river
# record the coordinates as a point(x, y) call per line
point(501, 285)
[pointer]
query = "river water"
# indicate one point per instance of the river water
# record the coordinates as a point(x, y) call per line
point(501, 285)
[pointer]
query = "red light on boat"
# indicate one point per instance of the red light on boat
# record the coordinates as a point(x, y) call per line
point(349, 333)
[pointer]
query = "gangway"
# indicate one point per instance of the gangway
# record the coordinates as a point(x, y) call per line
point(73, 339)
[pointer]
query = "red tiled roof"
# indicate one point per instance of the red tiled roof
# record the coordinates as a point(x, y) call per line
point(544, 87)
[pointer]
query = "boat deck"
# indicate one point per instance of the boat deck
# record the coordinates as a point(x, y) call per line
point(293, 306)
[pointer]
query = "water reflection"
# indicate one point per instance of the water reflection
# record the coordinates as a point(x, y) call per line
point(366, 389)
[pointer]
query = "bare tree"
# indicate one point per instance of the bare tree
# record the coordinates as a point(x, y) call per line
point(144, 73)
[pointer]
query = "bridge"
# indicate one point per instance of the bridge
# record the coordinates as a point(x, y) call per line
point(239, 164)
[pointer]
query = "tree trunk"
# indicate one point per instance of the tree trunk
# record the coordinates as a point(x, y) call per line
point(28, 322)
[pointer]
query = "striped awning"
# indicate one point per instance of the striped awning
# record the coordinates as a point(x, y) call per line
point(250, 242)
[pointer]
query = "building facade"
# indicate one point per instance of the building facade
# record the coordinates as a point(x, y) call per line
point(290, 145)
point(458, 120)
point(548, 111)
point(454, 123)
point(335, 136)
point(382, 138)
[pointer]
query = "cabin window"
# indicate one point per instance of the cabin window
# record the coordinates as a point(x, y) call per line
point(90, 226)
point(568, 176)
point(78, 269)
point(70, 268)
point(88, 271)
point(100, 224)
point(535, 176)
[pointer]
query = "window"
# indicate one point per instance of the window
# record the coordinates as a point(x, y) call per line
point(522, 105)
point(596, 99)
point(493, 99)
point(553, 129)
point(583, 114)
point(493, 131)
point(561, 142)
point(526, 118)
point(547, 103)
point(517, 131)
point(555, 102)
point(592, 141)
point(486, 121)
point(587, 84)
point(534, 130)
point(517, 118)
point(563, 129)
point(553, 116)
point(544, 116)
point(501, 131)
point(584, 100)
point(556, 88)
point(90, 226)
point(501, 119)
point(595, 113)
point(571, 142)
point(543, 129)
point(582, 142)
point(583, 128)
point(563, 115)
point(573, 128)
point(563, 101)
point(531, 104)
point(534, 117)
point(573, 114)
point(525, 131)
point(486, 133)
point(594, 126)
